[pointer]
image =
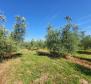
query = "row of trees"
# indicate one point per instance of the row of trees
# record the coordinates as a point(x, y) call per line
point(66, 40)
point(35, 44)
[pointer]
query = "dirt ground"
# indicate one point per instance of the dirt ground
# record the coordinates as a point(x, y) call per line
point(79, 61)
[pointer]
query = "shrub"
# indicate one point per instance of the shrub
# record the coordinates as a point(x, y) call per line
point(7, 46)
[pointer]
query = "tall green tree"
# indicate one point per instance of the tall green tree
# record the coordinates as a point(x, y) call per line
point(6, 45)
point(69, 36)
point(19, 29)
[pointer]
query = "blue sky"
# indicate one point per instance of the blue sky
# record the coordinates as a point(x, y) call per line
point(40, 13)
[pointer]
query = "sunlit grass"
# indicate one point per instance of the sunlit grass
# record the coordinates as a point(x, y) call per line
point(36, 69)
point(84, 55)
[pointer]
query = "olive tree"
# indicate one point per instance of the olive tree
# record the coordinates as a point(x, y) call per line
point(70, 38)
point(65, 40)
point(86, 42)
point(19, 29)
point(6, 45)
point(53, 40)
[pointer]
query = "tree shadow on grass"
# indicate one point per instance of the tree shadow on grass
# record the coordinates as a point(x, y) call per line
point(87, 59)
point(84, 52)
point(83, 70)
point(10, 56)
point(50, 55)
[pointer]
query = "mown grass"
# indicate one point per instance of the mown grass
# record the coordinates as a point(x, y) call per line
point(35, 69)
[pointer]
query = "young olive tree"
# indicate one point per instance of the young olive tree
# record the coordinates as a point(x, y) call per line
point(53, 40)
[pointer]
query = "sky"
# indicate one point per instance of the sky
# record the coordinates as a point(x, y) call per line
point(40, 13)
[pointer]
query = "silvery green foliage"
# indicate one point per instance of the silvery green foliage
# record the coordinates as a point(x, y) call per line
point(65, 40)
point(70, 37)
point(19, 29)
point(53, 40)
point(6, 44)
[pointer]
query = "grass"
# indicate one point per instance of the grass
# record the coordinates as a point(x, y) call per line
point(84, 55)
point(31, 68)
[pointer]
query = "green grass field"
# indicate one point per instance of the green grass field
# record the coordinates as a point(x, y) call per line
point(33, 69)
